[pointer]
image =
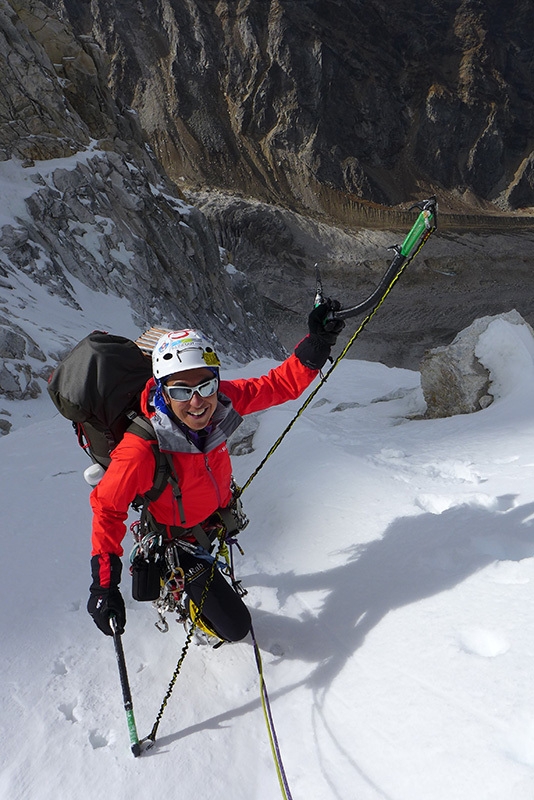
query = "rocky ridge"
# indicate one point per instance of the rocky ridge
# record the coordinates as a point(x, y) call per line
point(290, 126)
point(295, 124)
point(86, 200)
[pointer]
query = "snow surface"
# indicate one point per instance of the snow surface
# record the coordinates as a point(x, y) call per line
point(390, 569)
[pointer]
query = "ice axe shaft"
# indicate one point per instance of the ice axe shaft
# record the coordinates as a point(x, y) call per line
point(125, 685)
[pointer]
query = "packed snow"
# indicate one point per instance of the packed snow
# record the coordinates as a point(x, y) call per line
point(389, 563)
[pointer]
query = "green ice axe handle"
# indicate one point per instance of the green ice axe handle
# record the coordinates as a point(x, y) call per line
point(424, 222)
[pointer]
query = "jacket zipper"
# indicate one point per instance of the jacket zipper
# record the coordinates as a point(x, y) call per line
point(214, 482)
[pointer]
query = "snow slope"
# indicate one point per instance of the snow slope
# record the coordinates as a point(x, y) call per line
point(390, 569)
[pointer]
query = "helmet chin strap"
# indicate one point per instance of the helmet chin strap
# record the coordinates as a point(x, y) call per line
point(160, 400)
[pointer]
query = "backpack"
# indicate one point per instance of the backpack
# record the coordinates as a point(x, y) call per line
point(98, 388)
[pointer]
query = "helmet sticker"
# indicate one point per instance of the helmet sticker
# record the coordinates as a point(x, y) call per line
point(210, 357)
point(185, 334)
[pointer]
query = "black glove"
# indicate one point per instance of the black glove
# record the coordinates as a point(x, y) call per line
point(324, 327)
point(105, 599)
point(323, 322)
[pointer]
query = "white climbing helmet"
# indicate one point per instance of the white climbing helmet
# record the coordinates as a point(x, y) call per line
point(178, 351)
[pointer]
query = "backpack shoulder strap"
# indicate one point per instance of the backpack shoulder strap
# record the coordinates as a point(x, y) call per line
point(164, 472)
point(141, 426)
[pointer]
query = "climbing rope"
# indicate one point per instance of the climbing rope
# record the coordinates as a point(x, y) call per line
point(265, 702)
point(275, 749)
point(273, 739)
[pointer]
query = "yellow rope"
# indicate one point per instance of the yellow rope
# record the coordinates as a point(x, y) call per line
point(269, 731)
point(152, 736)
point(282, 779)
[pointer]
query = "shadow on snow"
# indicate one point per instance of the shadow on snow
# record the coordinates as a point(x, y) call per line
point(416, 558)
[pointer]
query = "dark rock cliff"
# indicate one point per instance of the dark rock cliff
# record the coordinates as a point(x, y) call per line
point(294, 101)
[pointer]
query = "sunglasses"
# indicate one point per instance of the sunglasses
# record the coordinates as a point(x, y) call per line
point(184, 393)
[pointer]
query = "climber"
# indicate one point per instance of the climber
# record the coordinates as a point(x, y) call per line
point(193, 412)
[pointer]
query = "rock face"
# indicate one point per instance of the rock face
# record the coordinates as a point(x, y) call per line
point(320, 107)
point(86, 201)
point(301, 102)
point(453, 379)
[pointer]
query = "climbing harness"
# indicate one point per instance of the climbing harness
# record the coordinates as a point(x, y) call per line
point(155, 558)
point(232, 520)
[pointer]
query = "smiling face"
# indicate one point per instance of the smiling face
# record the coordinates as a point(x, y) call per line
point(196, 412)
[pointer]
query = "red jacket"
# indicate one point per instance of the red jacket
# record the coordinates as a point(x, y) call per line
point(204, 477)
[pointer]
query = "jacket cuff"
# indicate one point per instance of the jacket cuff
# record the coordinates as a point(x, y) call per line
point(106, 570)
